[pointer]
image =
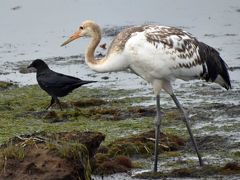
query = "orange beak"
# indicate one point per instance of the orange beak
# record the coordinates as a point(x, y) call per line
point(74, 36)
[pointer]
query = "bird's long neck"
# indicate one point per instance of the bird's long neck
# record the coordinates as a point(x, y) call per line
point(108, 63)
point(89, 54)
point(95, 64)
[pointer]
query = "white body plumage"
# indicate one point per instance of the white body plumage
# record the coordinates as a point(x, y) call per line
point(157, 63)
point(158, 54)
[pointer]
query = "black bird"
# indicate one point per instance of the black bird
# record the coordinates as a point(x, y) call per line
point(55, 84)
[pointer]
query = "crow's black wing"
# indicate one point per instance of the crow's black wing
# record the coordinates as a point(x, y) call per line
point(57, 84)
point(53, 79)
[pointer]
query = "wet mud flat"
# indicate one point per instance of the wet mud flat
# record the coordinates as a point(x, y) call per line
point(113, 136)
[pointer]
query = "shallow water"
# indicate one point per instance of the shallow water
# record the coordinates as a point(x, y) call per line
point(35, 29)
point(31, 30)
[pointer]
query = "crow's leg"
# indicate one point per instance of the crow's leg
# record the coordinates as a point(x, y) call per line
point(58, 102)
point(51, 103)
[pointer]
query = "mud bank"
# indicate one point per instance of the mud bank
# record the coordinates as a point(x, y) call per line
point(50, 156)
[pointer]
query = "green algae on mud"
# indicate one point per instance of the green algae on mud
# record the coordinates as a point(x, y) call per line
point(6, 85)
point(143, 144)
point(22, 112)
point(113, 114)
point(117, 114)
point(118, 155)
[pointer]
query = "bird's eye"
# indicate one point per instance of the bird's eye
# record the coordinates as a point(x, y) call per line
point(81, 27)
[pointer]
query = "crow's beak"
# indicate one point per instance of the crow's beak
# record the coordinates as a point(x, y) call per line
point(74, 36)
point(30, 66)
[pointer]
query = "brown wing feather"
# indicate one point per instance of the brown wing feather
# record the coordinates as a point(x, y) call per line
point(120, 40)
point(185, 46)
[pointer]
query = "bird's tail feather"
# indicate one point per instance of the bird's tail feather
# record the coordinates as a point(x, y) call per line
point(76, 85)
point(86, 82)
point(216, 69)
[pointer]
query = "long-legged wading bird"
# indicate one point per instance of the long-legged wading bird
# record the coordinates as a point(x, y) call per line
point(55, 84)
point(158, 54)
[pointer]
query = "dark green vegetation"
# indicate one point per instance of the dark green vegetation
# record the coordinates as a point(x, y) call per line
point(23, 112)
point(126, 125)
point(6, 85)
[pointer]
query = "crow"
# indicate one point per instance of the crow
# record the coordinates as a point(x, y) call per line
point(55, 84)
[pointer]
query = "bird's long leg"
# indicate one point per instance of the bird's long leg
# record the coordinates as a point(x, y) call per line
point(188, 127)
point(157, 133)
point(51, 103)
point(58, 102)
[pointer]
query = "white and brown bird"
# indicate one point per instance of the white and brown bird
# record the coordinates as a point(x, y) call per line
point(158, 54)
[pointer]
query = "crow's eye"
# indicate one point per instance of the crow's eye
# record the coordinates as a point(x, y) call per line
point(81, 27)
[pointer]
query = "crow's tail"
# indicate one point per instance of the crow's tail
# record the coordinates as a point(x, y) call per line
point(86, 82)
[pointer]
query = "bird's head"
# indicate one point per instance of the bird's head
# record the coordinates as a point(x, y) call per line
point(88, 28)
point(38, 64)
